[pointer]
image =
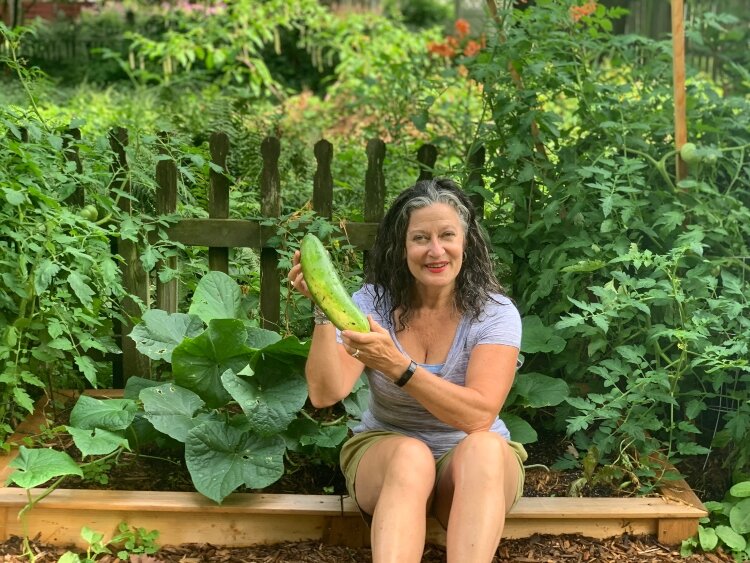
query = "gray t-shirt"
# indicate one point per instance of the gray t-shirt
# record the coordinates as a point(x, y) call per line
point(392, 408)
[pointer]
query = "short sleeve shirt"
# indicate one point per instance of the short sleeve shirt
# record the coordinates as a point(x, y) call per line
point(392, 408)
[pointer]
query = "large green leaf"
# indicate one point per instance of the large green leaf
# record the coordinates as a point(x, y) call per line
point(134, 385)
point(37, 466)
point(197, 363)
point(732, 539)
point(739, 517)
point(159, 332)
point(171, 409)
point(539, 338)
point(537, 390)
point(96, 441)
point(220, 458)
point(520, 430)
point(217, 297)
point(108, 414)
point(260, 337)
point(269, 399)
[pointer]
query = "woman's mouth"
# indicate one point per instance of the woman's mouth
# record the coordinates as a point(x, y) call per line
point(436, 267)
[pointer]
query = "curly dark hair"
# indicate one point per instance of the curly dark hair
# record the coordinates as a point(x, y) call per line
point(387, 269)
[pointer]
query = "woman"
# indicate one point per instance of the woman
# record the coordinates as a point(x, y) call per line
point(440, 359)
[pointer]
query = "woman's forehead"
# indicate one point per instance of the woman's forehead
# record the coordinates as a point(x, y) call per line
point(442, 213)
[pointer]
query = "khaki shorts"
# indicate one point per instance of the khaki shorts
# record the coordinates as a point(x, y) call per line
point(353, 450)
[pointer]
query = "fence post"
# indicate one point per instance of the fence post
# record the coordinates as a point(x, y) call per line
point(323, 179)
point(135, 279)
point(166, 203)
point(475, 181)
point(218, 197)
point(270, 206)
point(374, 185)
point(426, 157)
point(70, 149)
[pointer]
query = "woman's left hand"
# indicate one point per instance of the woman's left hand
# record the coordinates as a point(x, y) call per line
point(375, 349)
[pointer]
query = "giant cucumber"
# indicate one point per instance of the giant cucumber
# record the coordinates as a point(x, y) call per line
point(326, 288)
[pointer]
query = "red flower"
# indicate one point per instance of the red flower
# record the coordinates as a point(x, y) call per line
point(472, 48)
point(578, 12)
point(462, 27)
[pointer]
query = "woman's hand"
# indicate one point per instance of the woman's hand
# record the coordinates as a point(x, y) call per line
point(376, 350)
point(296, 277)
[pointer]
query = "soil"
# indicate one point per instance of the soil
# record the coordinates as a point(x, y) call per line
point(158, 473)
point(535, 549)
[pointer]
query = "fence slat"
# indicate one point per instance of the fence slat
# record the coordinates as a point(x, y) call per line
point(218, 198)
point(476, 166)
point(70, 149)
point(323, 179)
point(426, 157)
point(166, 203)
point(375, 181)
point(270, 206)
point(135, 279)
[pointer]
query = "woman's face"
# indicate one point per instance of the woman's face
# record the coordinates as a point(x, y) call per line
point(435, 245)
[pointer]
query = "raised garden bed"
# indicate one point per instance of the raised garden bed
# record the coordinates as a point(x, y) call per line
point(254, 518)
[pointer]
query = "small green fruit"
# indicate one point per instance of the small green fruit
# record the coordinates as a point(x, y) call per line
point(689, 153)
point(90, 212)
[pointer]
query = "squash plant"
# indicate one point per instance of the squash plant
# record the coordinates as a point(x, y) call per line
point(234, 401)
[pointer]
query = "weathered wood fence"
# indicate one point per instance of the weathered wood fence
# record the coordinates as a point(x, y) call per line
point(220, 233)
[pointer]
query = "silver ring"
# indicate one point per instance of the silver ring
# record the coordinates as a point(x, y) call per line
point(356, 353)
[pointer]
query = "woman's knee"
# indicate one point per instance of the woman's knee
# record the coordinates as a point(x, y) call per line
point(483, 452)
point(410, 459)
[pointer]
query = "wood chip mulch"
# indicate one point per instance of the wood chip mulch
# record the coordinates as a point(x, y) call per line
point(536, 549)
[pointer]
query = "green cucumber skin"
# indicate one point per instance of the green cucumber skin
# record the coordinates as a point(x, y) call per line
point(326, 288)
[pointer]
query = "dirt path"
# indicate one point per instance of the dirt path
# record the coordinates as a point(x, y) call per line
point(536, 549)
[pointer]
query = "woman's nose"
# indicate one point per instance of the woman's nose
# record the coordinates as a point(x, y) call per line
point(436, 249)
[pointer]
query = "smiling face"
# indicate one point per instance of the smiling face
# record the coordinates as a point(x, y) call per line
point(435, 246)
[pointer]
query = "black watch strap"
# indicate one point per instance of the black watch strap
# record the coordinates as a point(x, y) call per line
point(406, 376)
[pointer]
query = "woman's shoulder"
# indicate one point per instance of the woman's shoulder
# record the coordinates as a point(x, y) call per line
point(500, 305)
point(368, 296)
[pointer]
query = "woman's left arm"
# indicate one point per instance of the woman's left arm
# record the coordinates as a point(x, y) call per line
point(474, 406)
point(471, 407)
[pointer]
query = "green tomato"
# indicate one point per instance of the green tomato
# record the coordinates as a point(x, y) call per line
point(690, 154)
point(90, 213)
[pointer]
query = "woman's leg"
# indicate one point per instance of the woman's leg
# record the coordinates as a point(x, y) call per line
point(395, 479)
point(475, 491)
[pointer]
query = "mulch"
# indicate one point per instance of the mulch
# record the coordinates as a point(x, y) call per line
point(535, 549)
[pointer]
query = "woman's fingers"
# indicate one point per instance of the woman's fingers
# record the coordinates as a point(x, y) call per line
point(296, 277)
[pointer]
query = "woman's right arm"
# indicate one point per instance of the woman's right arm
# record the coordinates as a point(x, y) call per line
point(330, 371)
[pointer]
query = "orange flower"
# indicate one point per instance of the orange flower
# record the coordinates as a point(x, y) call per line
point(462, 27)
point(441, 49)
point(472, 48)
point(578, 12)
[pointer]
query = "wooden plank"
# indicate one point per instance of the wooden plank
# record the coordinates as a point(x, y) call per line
point(218, 198)
point(270, 206)
point(323, 179)
point(70, 149)
point(475, 165)
point(250, 233)
point(374, 207)
point(134, 278)
point(678, 82)
point(174, 529)
point(374, 181)
point(426, 158)
point(166, 204)
point(671, 531)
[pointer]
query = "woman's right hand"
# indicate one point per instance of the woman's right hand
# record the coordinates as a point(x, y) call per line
point(296, 277)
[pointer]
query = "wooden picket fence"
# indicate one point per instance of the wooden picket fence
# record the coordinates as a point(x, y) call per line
point(220, 233)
